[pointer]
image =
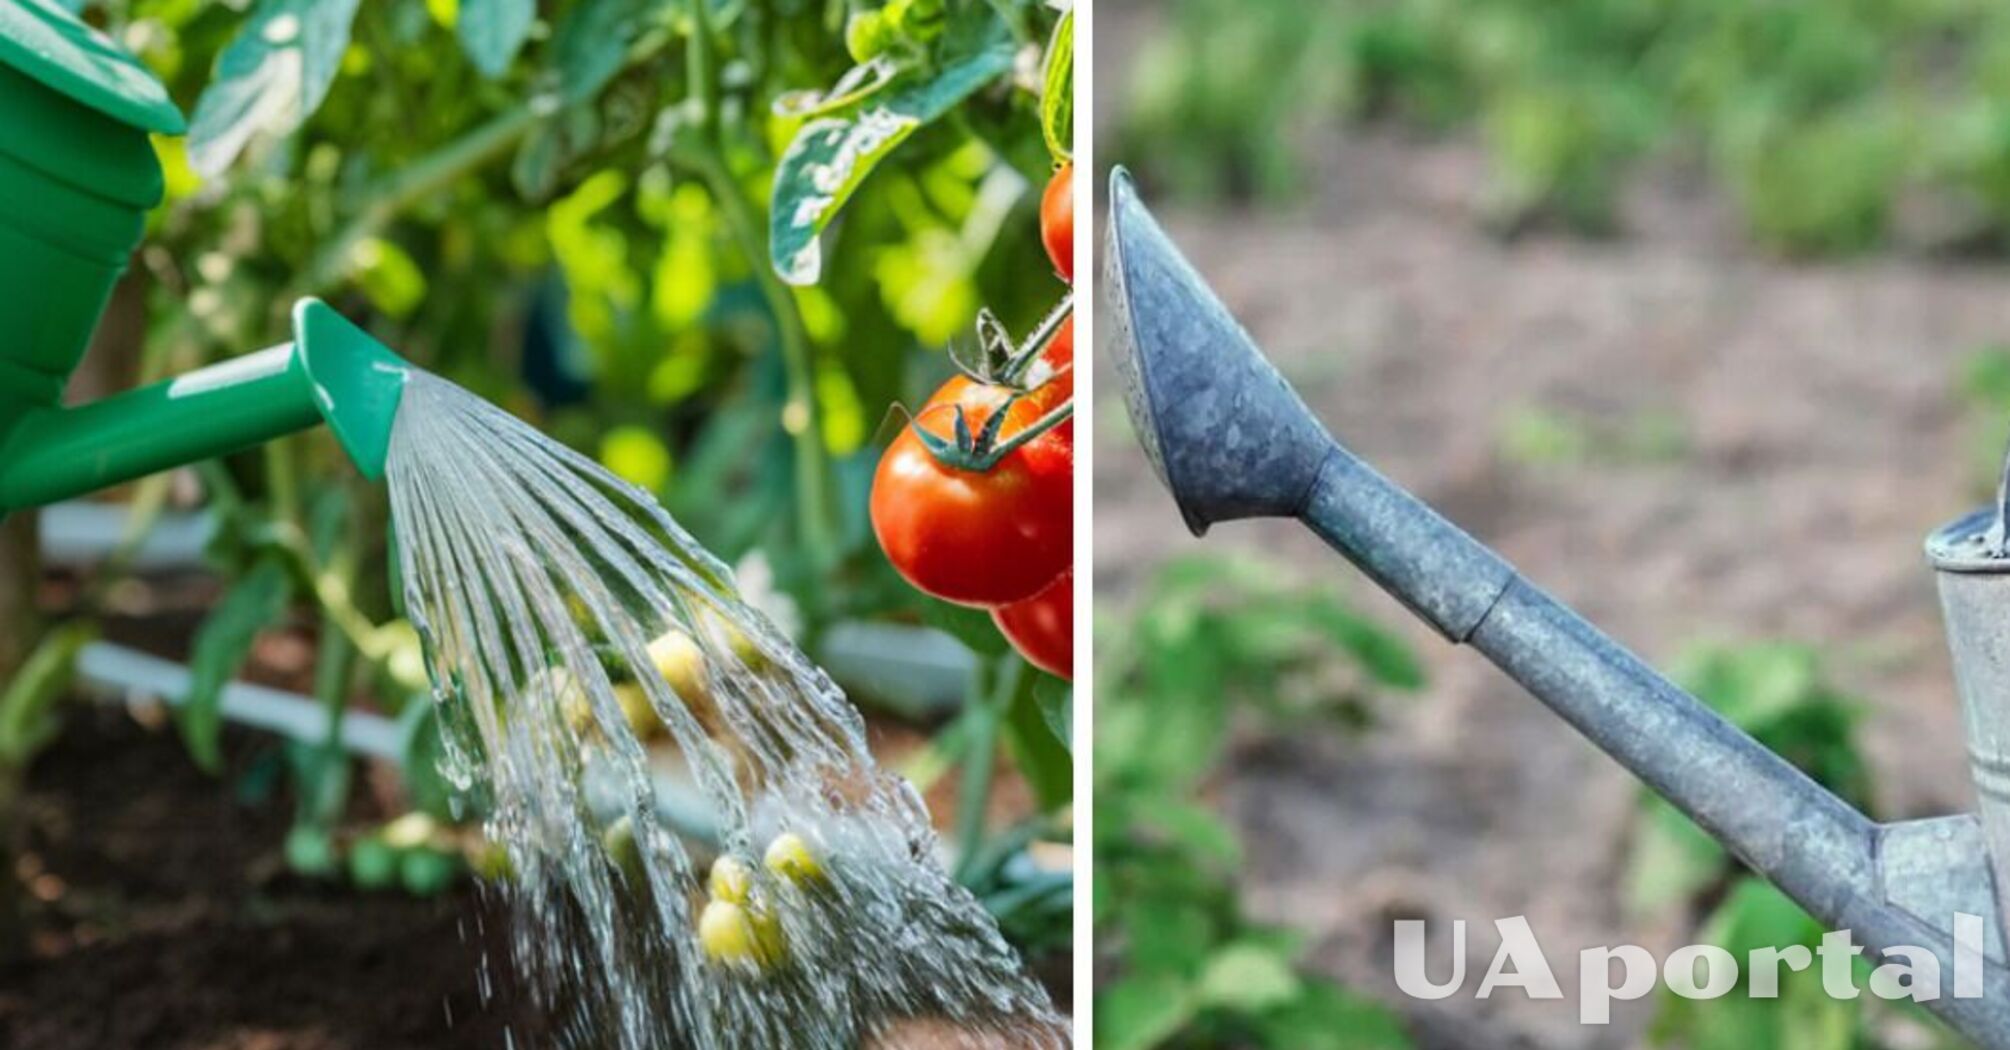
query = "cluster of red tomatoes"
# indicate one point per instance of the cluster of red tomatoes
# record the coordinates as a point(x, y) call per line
point(974, 501)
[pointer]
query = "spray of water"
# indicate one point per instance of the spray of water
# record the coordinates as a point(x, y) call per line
point(561, 608)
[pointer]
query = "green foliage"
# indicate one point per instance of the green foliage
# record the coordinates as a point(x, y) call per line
point(1034, 906)
point(1755, 915)
point(565, 206)
point(222, 644)
point(492, 31)
point(835, 152)
point(1217, 102)
point(1207, 641)
point(1057, 90)
point(27, 704)
point(1538, 436)
point(271, 78)
point(1814, 118)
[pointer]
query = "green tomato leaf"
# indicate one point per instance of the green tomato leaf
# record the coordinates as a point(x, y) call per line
point(221, 645)
point(1057, 94)
point(1383, 655)
point(1329, 1017)
point(831, 156)
point(1171, 931)
point(973, 627)
point(1672, 860)
point(858, 84)
point(25, 721)
point(1057, 706)
point(1248, 978)
point(271, 78)
point(1138, 1013)
point(1040, 756)
point(492, 31)
point(1193, 828)
point(591, 44)
point(424, 751)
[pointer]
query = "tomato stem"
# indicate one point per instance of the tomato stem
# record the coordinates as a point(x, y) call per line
point(1028, 352)
point(979, 453)
point(1005, 362)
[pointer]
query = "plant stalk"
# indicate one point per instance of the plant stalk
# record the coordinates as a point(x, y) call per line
point(991, 698)
point(801, 416)
point(20, 626)
point(411, 185)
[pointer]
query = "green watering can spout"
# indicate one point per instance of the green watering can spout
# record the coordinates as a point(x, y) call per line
point(78, 175)
point(355, 381)
point(331, 372)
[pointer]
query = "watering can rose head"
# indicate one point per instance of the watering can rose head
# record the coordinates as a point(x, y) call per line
point(1241, 444)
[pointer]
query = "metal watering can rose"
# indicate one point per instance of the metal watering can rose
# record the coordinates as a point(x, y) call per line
point(1231, 439)
point(78, 175)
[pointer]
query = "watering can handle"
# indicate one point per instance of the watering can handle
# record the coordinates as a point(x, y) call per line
point(1997, 540)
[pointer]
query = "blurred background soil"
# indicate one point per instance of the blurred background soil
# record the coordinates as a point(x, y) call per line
point(1768, 443)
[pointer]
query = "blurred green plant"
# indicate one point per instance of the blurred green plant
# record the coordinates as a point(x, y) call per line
point(1540, 436)
point(575, 208)
point(1216, 100)
point(1779, 693)
point(1982, 386)
point(1208, 644)
point(1814, 118)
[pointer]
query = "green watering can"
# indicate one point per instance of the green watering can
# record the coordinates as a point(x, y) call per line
point(78, 175)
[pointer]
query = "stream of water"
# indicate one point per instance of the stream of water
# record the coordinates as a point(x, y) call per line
point(564, 613)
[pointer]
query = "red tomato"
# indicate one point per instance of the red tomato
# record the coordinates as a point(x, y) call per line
point(1060, 358)
point(976, 538)
point(1057, 221)
point(1042, 627)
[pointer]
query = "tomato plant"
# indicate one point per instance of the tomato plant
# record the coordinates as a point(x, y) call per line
point(1213, 651)
point(971, 502)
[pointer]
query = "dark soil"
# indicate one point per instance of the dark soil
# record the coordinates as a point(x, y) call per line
point(165, 920)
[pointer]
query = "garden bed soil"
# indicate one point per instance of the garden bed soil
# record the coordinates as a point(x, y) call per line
point(165, 920)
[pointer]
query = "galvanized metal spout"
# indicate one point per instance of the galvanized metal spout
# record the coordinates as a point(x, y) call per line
point(1230, 439)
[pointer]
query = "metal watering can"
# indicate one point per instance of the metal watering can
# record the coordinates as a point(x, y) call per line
point(77, 176)
point(1231, 439)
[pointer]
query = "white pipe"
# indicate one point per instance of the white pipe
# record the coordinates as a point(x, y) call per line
point(129, 673)
point(77, 534)
point(123, 673)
